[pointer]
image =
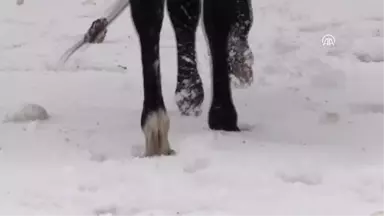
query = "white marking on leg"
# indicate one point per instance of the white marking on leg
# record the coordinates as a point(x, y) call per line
point(156, 130)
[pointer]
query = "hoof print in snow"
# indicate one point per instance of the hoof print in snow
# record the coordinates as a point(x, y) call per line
point(98, 158)
point(28, 112)
point(300, 178)
point(329, 118)
point(369, 50)
point(363, 57)
point(88, 2)
point(138, 212)
point(366, 57)
point(107, 211)
point(89, 189)
point(366, 108)
point(198, 164)
point(378, 213)
point(328, 79)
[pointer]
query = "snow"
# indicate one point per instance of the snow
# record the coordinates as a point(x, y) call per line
point(27, 113)
point(313, 119)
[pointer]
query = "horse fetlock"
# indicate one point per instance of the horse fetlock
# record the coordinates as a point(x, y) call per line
point(156, 129)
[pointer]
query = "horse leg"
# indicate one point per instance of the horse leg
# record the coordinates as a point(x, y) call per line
point(184, 16)
point(219, 17)
point(147, 17)
point(240, 54)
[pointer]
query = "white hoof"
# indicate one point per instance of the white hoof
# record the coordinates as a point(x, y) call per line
point(156, 130)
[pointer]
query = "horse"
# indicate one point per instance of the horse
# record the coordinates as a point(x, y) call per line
point(226, 26)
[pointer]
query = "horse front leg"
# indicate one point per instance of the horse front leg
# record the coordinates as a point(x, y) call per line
point(147, 17)
point(219, 17)
point(184, 16)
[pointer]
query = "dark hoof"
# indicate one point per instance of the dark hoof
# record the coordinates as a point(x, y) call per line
point(97, 32)
point(241, 61)
point(223, 118)
point(189, 96)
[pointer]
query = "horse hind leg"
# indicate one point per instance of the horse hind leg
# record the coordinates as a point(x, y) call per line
point(189, 93)
point(147, 17)
point(240, 54)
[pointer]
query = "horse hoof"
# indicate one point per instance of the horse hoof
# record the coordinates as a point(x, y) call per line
point(241, 61)
point(223, 118)
point(189, 96)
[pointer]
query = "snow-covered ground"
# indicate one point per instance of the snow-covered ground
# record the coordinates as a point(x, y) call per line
point(313, 143)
